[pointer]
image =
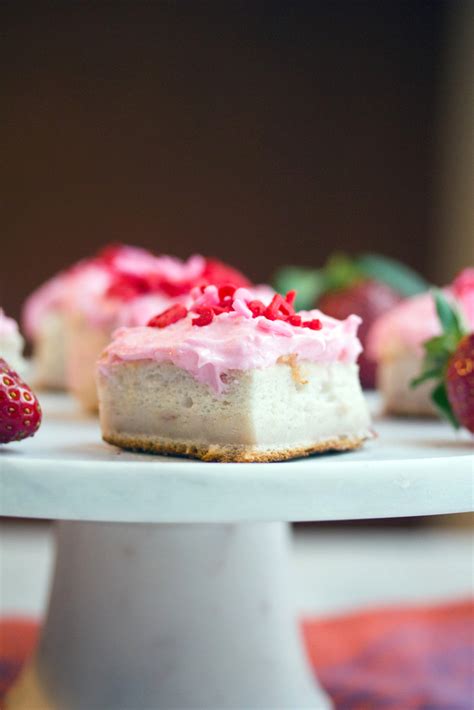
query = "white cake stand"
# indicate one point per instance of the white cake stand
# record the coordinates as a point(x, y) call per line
point(191, 608)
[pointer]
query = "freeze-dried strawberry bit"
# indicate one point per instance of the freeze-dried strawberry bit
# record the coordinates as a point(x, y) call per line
point(212, 302)
point(171, 315)
point(272, 310)
point(217, 310)
point(314, 324)
point(201, 309)
point(205, 317)
point(226, 291)
point(279, 308)
point(290, 297)
point(257, 308)
point(286, 308)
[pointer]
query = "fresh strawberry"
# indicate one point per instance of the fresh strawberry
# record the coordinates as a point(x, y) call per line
point(460, 382)
point(20, 411)
point(367, 285)
point(449, 360)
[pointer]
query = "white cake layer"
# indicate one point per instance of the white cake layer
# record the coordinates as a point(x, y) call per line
point(394, 375)
point(85, 343)
point(50, 352)
point(262, 409)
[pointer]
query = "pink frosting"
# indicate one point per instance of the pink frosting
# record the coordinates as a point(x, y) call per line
point(234, 341)
point(413, 321)
point(46, 299)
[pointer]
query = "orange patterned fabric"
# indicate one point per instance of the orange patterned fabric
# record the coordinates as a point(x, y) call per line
point(419, 658)
point(17, 640)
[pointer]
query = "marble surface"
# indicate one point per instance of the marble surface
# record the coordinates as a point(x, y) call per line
point(413, 467)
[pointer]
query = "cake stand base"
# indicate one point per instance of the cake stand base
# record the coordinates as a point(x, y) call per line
point(171, 616)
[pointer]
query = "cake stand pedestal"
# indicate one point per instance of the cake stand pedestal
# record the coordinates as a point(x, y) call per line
point(171, 589)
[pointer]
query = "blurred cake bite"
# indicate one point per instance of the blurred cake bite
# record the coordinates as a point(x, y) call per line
point(395, 344)
point(12, 345)
point(71, 318)
point(228, 378)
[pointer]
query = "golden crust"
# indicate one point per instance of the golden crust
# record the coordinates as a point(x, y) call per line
point(230, 454)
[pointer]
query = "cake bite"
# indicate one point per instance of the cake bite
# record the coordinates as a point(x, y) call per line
point(228, 378)
point(12, 344)
point(70, 318)
point(396, 341)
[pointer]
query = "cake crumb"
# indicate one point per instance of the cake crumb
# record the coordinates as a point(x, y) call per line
point(291, 360)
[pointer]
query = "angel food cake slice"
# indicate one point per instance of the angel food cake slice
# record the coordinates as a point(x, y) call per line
point(231, 379)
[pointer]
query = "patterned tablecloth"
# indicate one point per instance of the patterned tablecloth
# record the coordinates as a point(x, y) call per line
point(417, 658)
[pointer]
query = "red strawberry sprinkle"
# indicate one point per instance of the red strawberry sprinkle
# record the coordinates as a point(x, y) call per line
point(257, 308)
point(205, 316)
point(272, 310)
point(290, 297)
point(171, 315)
point(226, 291)
point(314, 324)
point(278, 309)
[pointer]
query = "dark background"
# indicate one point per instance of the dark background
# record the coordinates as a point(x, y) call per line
point(259, 132)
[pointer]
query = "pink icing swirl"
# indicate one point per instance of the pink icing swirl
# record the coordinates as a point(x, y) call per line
point(234, 341)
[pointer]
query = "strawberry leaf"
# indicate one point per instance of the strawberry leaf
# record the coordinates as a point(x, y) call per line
point(449, 316)
point(435, 373)
point(438, 352)
point(440, 399)
point(439, 346)
point(399, 276)
point(341, 271)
